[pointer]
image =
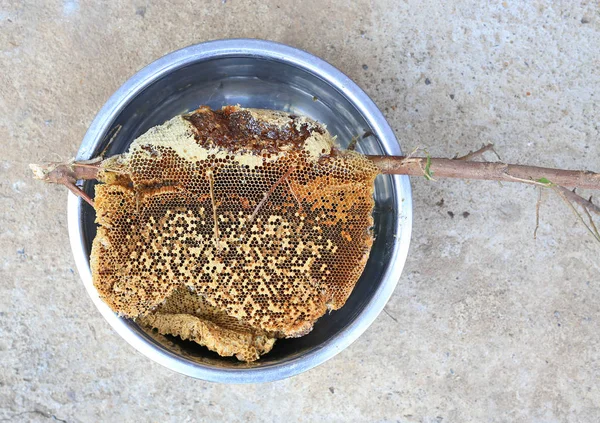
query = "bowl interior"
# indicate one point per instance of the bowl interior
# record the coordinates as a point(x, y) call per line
point(272, 84)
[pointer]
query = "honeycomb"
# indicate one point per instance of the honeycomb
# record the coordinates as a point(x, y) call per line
point(190, 317)
point(232, 228)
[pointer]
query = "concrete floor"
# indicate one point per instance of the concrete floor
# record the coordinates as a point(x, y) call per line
point(486, 325)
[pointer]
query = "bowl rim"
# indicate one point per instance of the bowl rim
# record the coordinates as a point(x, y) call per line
point(244, 47)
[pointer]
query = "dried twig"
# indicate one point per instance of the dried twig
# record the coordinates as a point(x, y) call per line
point(450, 168)
point(474, 154)
point(268, 193)
point(214, 209)
point(67, 174)
point(113, 135)
point(462, 167)
point(592, 224)
point(294, 194)
point(593, 230)
point(576, 198)
point(537, 213)
point(586, 206)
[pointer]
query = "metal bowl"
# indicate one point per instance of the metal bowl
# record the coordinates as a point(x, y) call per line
point(261, 74)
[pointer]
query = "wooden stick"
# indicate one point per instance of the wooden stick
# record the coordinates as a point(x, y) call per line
point(67, 174)
point(452, 168)
point(478, 153)
point(576, 198)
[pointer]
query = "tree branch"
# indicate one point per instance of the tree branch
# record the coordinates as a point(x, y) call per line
point(474, 154)
point(576, 198)
point(592, 229)
point(463, 169)
point(67, 174)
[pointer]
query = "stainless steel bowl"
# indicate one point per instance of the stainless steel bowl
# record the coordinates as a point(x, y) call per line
point(261, 74)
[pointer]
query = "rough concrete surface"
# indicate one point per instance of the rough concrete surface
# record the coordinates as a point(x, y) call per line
point(486, 324)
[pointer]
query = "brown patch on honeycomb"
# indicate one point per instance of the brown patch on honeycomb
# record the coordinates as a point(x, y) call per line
point(190, 317)
point(233, 128)
point(254, 210)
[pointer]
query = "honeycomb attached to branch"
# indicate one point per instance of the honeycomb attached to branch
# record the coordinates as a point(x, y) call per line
point(252, 216)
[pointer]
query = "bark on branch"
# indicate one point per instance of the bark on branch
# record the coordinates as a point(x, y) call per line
point(67, 174)
point(453, 168)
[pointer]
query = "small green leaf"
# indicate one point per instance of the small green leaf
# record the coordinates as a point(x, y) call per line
point(428, 172)
point(544, 181)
